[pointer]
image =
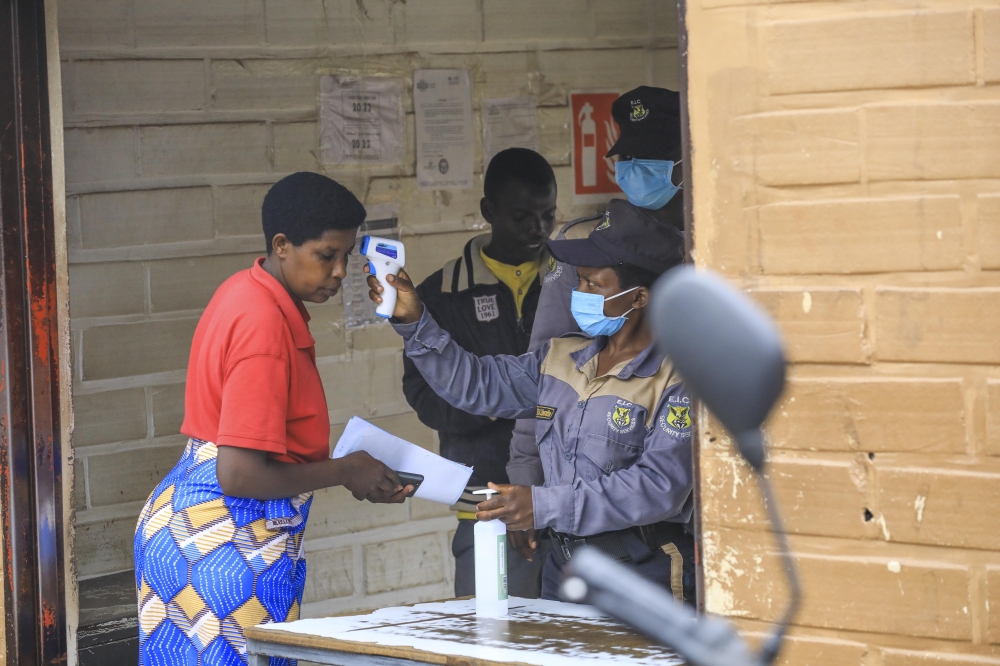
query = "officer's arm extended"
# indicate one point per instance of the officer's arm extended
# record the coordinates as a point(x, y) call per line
point(501, 386)
point(657, 487)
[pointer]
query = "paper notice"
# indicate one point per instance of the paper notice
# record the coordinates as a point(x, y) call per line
point(444, 480)
point(359, 311)
point(442, 103)
point(361, 120)
point(509, 122)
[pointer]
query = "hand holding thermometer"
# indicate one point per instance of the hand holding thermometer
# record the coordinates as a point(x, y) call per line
point(385, 257)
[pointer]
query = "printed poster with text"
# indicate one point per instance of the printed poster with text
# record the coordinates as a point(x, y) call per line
point(594, 132)
point(442, 105)
point(361, 120)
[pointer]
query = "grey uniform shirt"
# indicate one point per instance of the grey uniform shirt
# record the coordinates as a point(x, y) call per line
point(615, 449)
point(552, 320)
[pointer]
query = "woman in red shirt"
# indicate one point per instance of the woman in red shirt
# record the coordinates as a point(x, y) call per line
point(218, 546)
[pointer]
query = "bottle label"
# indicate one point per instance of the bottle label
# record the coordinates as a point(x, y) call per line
point(502, 566)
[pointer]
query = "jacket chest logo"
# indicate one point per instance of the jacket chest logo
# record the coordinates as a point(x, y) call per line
point(620, 418)
point(486, 307)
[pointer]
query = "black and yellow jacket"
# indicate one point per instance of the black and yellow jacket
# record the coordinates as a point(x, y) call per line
point(480, 313)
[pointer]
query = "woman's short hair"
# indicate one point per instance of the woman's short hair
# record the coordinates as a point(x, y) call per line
point(304, 205)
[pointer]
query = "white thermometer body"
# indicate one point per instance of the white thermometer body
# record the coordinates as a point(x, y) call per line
point(385, 257)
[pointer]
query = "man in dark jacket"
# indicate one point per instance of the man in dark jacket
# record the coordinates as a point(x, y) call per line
point(486, 300)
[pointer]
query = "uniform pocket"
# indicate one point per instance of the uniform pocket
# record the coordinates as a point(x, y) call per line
point(609, 455)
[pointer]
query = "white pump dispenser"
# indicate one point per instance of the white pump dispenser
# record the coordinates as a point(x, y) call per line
point(491, 565)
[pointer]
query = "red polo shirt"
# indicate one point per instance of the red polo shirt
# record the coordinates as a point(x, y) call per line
point(252, 380)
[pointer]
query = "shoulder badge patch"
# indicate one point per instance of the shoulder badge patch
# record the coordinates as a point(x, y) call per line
point(639, 112)
point(486, 307)
point(606, 224)
point(545, 413)
point(555, 269)
point(677, 420)
point(621, 419)
point(679, 417)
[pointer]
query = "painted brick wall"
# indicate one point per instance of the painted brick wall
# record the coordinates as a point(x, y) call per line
point(178, 117)
point(847, 173)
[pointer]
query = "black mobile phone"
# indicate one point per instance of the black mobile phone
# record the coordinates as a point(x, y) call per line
point(408, 479)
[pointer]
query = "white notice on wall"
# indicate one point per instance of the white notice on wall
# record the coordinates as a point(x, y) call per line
point(442, 102)
point(361, 120)
point(509, 122)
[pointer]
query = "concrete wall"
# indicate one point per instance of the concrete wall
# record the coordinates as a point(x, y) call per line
point(847, 172)
point(178, 116)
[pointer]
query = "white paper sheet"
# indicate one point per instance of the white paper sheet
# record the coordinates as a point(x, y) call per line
point(444, 480)
point(361, 120)
point(509, 122)
point(442, 103)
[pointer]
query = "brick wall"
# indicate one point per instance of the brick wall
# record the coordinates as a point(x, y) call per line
point(847, 173)
point(178, 117)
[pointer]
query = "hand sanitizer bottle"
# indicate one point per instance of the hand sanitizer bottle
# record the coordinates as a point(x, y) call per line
point(491, 565)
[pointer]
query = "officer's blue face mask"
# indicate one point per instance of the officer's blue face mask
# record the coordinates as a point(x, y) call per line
point(588, 311)
point(647, 183)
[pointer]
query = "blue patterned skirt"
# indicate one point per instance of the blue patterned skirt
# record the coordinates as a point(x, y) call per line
point(207, 566)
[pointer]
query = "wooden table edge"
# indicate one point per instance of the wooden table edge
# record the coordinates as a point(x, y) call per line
point(294, 639)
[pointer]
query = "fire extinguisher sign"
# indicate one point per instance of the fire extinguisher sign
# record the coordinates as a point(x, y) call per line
point(594, 132)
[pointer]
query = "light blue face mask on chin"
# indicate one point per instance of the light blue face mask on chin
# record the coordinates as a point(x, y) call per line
point(588, 311)
point(647, 183)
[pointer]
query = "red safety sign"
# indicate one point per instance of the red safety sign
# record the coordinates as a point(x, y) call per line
point(594, 132)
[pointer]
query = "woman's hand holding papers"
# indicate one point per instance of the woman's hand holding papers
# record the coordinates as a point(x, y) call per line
point(373, 481)
point(250, 473)
point(511, 506)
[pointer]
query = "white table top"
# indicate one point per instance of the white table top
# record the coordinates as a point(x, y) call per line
point(535, 632)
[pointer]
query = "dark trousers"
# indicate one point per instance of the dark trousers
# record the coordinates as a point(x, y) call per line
point(524, 578)
point(659, 566)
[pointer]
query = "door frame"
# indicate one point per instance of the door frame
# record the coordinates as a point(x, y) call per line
point(682, 47)
point(31, 422)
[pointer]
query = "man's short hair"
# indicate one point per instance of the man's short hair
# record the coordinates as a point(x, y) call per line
point(519, 165)
point(305, 205)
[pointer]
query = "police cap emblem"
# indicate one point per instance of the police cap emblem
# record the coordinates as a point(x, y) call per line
point(639, 112)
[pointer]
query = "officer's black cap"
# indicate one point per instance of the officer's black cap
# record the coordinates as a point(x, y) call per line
point(649, 120)
point(628, 234)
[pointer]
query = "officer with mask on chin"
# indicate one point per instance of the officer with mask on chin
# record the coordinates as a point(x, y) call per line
point(647, 168)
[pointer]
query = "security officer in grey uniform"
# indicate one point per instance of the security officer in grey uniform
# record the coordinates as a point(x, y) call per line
point(648, 170)
point(486, 300)
point(613, 423)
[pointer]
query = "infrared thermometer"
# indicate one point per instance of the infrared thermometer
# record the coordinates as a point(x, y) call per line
point(385, 257)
